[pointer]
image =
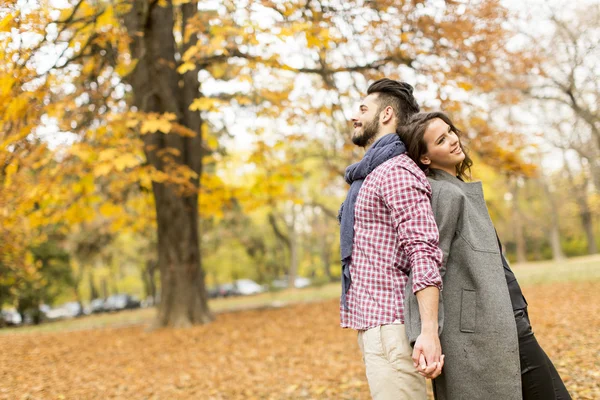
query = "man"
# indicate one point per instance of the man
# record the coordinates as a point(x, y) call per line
point(388, 230)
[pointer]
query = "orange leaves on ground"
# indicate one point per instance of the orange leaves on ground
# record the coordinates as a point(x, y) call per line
point(297, 352)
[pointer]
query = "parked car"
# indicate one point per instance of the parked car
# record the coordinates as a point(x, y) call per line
point(74, 309)
point(247, 287)
point(226, 290)
point(96, 306)
point(10, 318)
point(213, 292)
point(118, 302)
point(299, 282)
point(68, 310)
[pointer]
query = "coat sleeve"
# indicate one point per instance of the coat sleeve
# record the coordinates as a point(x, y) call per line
point(447, 207)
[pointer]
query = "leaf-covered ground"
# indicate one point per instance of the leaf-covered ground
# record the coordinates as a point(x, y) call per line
point(295, 352)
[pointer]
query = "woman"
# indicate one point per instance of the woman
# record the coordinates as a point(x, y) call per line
point(490, 349)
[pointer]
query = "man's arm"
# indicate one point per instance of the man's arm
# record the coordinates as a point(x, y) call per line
point(427, 353)
point(447, 210)
point(407, 196)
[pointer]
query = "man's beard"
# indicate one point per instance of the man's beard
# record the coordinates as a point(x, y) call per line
point(370, 130)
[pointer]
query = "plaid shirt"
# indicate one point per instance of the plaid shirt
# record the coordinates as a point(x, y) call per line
point(394, 232)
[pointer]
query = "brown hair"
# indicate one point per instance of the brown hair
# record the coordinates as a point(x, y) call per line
point(396, 94)
point(412, 134)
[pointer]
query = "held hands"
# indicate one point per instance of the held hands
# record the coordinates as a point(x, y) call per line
point(427, 355)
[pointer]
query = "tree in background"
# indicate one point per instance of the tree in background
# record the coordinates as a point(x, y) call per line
point(141, 91)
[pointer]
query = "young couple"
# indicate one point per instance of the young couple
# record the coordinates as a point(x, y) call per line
point(411, 224)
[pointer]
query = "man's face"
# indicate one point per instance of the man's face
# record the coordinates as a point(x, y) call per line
point(366, 121)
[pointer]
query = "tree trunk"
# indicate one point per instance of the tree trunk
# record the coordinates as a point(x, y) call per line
point(149, 279)
point(324, 245)
point(557, 252)
point(104, 289)
point(93, 290)
point(287, 242)
point(518, 223)
point(325, 253)
point(158, 87)
point(581, 197)
point(183, 295)
point(294, 261)
point(588, 227)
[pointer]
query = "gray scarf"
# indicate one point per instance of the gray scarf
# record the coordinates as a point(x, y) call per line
point(387, 147)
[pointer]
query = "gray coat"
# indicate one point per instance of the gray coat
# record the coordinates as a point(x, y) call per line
point(479, 335)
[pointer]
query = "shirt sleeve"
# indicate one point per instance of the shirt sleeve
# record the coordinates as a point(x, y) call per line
point(407, 196)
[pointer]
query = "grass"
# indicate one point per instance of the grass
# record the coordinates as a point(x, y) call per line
point(145, 316)
point(575, 269)
point(529, 274)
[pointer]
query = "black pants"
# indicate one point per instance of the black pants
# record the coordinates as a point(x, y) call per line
point(540, 380)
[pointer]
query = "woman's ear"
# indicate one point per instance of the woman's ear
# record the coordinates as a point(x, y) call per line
point(425, 160)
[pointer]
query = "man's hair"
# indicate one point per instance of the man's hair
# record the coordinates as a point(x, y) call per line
point(398, 95)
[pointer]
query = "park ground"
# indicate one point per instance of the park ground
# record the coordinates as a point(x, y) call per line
point(286, 345)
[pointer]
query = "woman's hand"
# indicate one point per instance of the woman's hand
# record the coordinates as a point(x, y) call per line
point(427, 355)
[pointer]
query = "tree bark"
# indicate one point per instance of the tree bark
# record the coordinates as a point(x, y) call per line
point(557, 252)
point(518, 223)
point(149, 279)
point(93, 290)
point(294, 239)
point(157, 87)
point(585, 213)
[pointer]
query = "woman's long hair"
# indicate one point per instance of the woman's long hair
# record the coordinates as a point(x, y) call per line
point(412, 134)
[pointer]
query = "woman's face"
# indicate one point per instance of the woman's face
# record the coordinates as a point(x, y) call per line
point(444, 150)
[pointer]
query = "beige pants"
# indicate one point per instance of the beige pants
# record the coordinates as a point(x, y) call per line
point(390, 370)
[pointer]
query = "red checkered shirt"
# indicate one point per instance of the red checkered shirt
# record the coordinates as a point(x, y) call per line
point(394, 232)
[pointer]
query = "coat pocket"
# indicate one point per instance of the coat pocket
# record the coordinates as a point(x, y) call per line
point(468, 311)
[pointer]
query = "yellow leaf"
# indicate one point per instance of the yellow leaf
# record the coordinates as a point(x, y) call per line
point(132, 123)
point(182, 130)
point(108, 209)
point(203, 104)
point(106, 18)
point(154, 125)
point(217, 71)
point(102, 169)
point(126, 160)
point(10, 170)
point(212, 142)
point(5, 24)
point(108, 154)
point(189, 53)
point(185, 67)
point(124, 69)
point(465, 86)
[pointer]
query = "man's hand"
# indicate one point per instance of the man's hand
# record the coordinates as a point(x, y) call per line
point(427, 355)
